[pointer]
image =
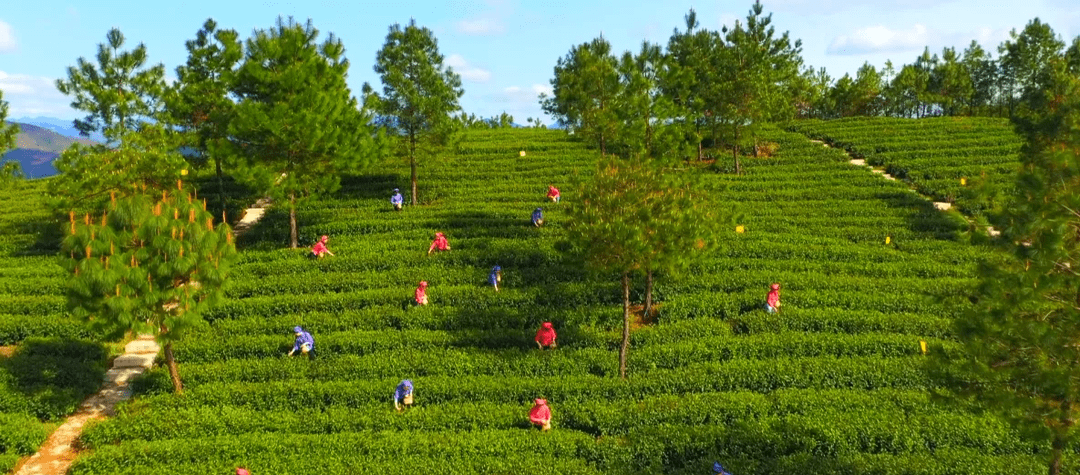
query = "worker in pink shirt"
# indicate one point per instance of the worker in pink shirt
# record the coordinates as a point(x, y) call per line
point(553, 194)
point(320, 249)
point(440, 243)
point(421, 293)
point(545, 336)
point(772, 302)
point(540, 415)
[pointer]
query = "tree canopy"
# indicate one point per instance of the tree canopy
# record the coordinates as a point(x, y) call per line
point(419, 94)
point(296, 128)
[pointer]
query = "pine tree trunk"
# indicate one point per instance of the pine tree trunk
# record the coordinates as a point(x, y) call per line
point(648, 295)
point(626, 325)
point(735, 152)
point(1058, 447)
point(1060, 442)
point(174, 370)
point(293, 234)
point(412, 165)
point(221, 186)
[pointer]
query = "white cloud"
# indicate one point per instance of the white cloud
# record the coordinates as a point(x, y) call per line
point(467, 71)
point(7, 38)
point(481, 27)
point(28, 95)
point(880, 39)
point(522, 95)
point(826, 7)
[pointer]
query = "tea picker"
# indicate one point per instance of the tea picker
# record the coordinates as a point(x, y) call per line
point(397, 200)
point(540, 415)
point(421, 293)
point(538, 217)
point(305, 344)
point(553, 194)
point(439, 244)
point(495, 277)
point(719, 469)
point(403, 395)
point(320, 248)
point(545, 336)
point(772, 301)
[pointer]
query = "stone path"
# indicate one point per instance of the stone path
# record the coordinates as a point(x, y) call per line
point(251, 216)
point(57, 453)
point(55, 456)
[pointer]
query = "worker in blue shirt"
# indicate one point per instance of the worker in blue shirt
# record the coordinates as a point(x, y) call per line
point(495, 277)
point(538, 217)
point(719, 469)
point(397, 200)
point(305, 344)
point(403, 396)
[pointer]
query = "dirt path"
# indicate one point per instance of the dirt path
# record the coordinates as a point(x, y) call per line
point(57, 453)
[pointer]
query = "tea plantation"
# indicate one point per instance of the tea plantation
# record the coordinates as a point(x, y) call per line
point(836, 384)
point(57, 363)
point(933, 154)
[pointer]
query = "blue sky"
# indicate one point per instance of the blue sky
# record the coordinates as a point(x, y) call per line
point(504, 49)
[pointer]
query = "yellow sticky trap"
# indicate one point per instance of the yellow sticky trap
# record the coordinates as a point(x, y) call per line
point(922, 346)
point(888, 239)
point(521, 153)
point(963, 181)
point(740, 229)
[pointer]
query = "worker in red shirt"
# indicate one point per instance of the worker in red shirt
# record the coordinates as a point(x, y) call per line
point(540, 415)
point(440, 243)
point(553, 194)
point(421, 293)
point(545, 336)
point(320, 249)
point(772, 301)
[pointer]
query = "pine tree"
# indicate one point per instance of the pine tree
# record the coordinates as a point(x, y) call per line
point(1019, 353)
point(121, 98)
point(199, 103)
point(118, 93)
point(691, 79)
point(148, 265)
point(1026, 60)
point(758, 72)
point(297, 128)
point(9, 170)
point(584, 93)
point(419, 94)
point(606, 225)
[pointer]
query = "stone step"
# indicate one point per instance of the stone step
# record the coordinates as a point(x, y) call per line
point(943, 206)
point(144, 360)
point(123, 375)
point(142, 346)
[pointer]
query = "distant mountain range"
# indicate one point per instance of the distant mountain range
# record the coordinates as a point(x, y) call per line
point(63, 127)
point(36, 147)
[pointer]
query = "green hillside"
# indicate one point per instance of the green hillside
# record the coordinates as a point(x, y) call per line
point(836, 384)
